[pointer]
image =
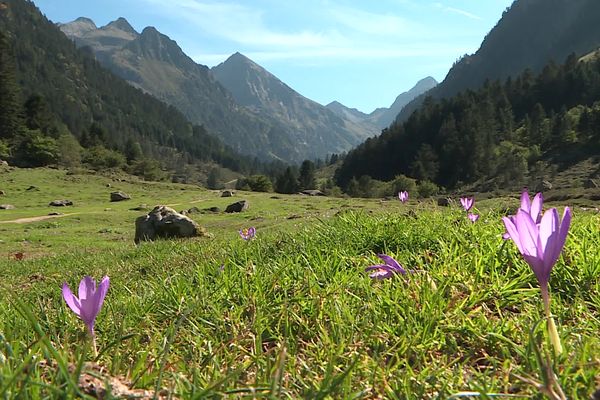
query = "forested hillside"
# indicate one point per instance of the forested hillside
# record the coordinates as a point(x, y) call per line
point(530, 34)
point(502, 131)
point(61, 106)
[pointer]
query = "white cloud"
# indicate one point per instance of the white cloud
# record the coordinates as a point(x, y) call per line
point(372, 23)
point(458, 11)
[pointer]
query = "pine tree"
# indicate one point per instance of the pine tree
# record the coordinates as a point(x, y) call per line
point(307, 175)
point(11, 123)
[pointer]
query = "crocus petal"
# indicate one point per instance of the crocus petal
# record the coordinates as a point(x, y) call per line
point(87, 287)
point(525, 204)
point(528, 233)
point(101, 293)
point(381, 274)
point(392, 263)
point(473, 217)
point(512, 232)
point(374, 267)
point(536, 208)
point(71, 300)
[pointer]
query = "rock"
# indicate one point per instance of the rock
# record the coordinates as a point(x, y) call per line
point(312, 192)
point(141, 207)
point(227, 193)
point(55, 213)
point(164, 222)
point(60, 203)
point(32, 188)
point(212, 209)
point(443, 201)
point(193, 210)
point(4, 163)
point(7, 207)
point(108, 185)
point(238, 206)
point(546, 185)
point(119, 196)
point(2, 193)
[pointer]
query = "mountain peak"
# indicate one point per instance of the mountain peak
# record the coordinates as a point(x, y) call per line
point(121, 24)
point(78, 27)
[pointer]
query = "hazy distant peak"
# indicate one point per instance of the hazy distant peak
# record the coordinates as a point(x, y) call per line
point(121, 24)
point(428, 82)
point(85, 20)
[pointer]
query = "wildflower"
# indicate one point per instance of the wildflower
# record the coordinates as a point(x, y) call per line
point(473, 217)
point(403, 196)
point(467, 202)
point(248, 233)
point(541, 245)
point(533, 208)
point(387, 270)
point(89, 303)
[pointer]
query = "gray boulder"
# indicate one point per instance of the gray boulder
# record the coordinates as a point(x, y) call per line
point(227, 193)
point(119, 196)
point(60, 203)
point(164, 222)
point(6, 207)
point(238, 206)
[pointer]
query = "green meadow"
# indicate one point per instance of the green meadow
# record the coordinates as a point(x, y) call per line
point(292, 313)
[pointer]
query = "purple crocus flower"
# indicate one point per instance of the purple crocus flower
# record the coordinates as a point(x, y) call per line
point(467, 202)
point(89, 303)
point(403, 196)
point(248, 233)
point(387, 270)
point(473, 217)
point(541, 245)
point(533, 208)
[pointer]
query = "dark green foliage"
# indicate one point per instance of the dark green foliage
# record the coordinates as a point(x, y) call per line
point(259, 183)
point(33, 149)
point(499, 131)
point(10, 106)
point(287, 182)
point(306, 180)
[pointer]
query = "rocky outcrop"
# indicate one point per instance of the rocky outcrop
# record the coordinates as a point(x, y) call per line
point(238, 206)
point(119, 196)
point(60, 203)
point(163, 222)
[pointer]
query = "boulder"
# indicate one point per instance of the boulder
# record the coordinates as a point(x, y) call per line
point(212, 209)
point(227, 193)
point(60, 203)
point(164, 222)
point(312, 192)
point(119, 196)
point(443, 201)
point(193, 210)
point(2, 193)
point(6, 207)
point(238, 206)
point(546, 185)
point(32, 188)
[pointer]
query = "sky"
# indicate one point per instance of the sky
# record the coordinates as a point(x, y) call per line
point(362, 53)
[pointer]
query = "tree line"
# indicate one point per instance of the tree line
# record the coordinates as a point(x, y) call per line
point(502, 131)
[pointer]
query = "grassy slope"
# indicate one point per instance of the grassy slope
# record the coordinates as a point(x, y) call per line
point(292, 314)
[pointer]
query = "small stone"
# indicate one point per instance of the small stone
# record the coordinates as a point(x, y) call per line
point(60, 203)
point(7, 207)
point(227, 193)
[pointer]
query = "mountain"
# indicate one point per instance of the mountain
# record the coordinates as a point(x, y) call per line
point(529, 35)
point(314, 127)
point(154, 63)
point(351, 114)
point(383, 117)
point(67, 94)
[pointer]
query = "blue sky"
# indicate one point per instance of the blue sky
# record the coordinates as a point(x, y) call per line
point(362, 53)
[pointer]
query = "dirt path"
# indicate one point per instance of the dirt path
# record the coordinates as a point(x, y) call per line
point(35, 219)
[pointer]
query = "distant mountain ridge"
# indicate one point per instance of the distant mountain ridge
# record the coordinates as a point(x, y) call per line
point(154, 63)
point(264, 94)
point(529, 35)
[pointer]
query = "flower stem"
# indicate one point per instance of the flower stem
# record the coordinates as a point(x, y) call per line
point(552, 331)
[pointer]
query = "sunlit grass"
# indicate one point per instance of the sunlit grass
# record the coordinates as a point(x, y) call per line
point(294, 315)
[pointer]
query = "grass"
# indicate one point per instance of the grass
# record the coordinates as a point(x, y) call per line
point(293, 314)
